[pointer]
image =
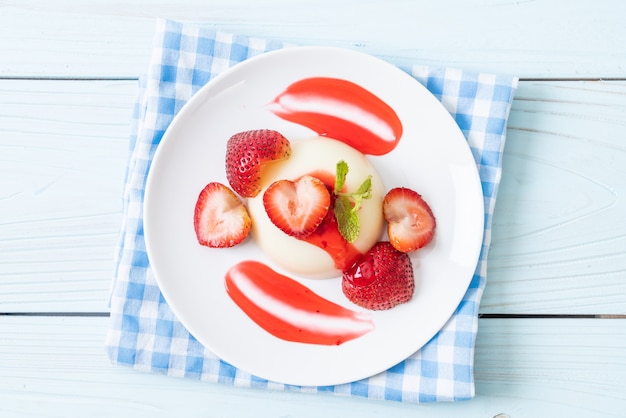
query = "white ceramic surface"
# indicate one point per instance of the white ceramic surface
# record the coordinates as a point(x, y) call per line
point(433, 158)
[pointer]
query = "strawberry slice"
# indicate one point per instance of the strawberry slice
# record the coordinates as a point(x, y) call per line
point(411, 223)
point(247, 152)
point(297, 207)
point(220, 218)
point(381, 279)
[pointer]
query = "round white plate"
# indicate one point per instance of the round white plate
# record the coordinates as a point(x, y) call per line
point(432, 158)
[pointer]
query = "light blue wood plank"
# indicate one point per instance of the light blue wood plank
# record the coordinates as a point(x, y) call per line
point(558, 38)
point(525, 368)
point(558, 236)
point(63, 150)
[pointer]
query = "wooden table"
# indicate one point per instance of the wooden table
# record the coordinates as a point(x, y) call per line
point(552, 336)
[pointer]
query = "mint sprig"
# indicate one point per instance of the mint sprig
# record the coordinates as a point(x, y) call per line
point(347, 204)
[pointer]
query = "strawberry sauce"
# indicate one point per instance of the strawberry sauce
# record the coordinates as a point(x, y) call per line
point(342, 110)
point(328, 238)
point(289, 310)
point(327, 235)
point(280, 305)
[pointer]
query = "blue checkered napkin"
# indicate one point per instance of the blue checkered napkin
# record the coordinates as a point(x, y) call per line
point(143, 331)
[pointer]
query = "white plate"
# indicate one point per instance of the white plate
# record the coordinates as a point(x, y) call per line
point(432, 157)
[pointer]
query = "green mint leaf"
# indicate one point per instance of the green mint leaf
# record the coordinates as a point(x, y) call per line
point(347, 204)
point(340, 175)
point(366, 188)
point(347, 219)
point(357, 199)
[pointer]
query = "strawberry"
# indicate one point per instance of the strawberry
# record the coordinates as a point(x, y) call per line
point(220, 218)
point(381, 279)
point(297, 207)
point(246, 152)
point(411, 223)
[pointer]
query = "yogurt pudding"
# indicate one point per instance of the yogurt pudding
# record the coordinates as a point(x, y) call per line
point(318, 157)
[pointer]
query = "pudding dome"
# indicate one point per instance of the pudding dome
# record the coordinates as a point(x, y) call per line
point(317, 156)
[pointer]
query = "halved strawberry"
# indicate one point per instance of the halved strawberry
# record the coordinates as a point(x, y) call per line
point(411, 223)
point(297, 207)
point(246, 152)
point(220, 218)
point(381, 279)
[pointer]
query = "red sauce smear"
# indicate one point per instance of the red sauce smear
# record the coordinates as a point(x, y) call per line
point(327, 235)
point(289, 310)
point(341, 110)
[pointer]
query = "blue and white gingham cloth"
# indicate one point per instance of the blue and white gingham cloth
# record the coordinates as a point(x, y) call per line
point(143, 331)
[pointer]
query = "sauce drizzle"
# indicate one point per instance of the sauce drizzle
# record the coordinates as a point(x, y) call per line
point(289, 310)
point(342, 110)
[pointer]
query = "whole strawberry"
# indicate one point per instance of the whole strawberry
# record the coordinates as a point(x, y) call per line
point(381, 279)
point(246, 152)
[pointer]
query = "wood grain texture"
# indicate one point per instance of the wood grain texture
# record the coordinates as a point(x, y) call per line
point(558, 235)
point(558, 238)
point(526, 368)
point(97, 38)
point(63, 149)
